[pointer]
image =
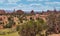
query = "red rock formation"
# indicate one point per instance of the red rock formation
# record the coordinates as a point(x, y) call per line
point(20, 12)
point(32, 12)
point(2, 11)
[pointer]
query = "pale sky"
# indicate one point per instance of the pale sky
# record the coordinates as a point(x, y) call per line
point(27, 5)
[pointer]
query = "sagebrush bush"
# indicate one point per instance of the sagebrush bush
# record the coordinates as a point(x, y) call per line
point(32, 28)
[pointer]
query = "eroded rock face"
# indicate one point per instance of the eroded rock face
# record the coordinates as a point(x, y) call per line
point(2, 12)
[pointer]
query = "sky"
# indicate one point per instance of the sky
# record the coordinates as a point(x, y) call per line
point(28, 5)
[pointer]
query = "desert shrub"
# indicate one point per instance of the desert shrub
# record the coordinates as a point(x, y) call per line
point(53, 21)
point(17, 28)
point(32, 28)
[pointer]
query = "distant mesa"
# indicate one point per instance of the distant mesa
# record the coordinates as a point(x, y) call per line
point(22, 12)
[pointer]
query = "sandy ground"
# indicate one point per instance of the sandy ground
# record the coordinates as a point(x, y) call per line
point(55, 35)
